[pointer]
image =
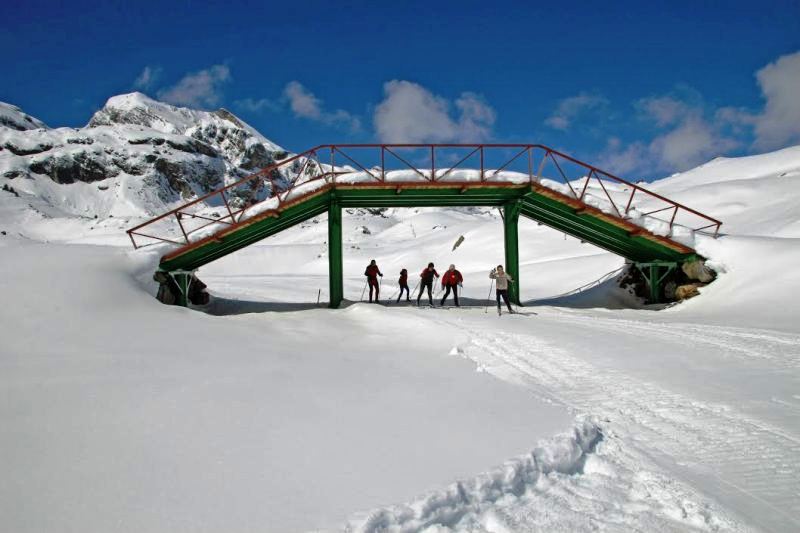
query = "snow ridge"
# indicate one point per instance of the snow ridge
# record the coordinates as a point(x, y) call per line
point(13, 117)
point(140, 110)
point(564, 454)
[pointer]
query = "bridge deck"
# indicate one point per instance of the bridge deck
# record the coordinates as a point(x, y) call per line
point(537, 203)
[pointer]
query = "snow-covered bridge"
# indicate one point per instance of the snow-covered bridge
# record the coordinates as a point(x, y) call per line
point(531, 180)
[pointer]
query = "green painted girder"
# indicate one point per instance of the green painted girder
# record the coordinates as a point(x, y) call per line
point(248, 234)
point(590, 228)
point(557, 214)
point(428, 197)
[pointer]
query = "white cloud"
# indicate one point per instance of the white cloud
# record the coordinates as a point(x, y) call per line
point(568, 109)
point(779, 124)
point(476, 117)
point(257, 106)
point(147, 78)
point(690, 132)
point(692, 142)
point(737, 118)
point(687, 139)
point(665, 110)
point(198, 89)
point(623, 160)
point(302, 101)
point(304, 104)
point(410, 113)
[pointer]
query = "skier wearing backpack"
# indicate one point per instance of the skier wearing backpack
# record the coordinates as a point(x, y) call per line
point(502, 279)
point(403, 281)
point(451, 280)
point(372, 272)
point(426, 281)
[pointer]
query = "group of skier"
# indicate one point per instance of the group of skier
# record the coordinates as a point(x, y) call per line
point(452, 281)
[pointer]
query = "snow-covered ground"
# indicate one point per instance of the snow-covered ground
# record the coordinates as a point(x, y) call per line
point(269, 412)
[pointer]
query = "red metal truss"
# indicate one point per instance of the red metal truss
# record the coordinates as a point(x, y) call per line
point(309, 165)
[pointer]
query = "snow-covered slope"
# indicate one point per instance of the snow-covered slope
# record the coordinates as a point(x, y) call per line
point(755, 195)
point(268, 412)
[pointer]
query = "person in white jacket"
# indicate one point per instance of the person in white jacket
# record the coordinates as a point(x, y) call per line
point(502, 279)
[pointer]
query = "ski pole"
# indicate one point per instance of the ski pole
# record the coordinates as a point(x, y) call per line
point(363, 290)
point(380, 286)
point(391, 296)
point(415, 289)
point(489, 297)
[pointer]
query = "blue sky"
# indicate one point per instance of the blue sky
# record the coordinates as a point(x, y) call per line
point(641, 88)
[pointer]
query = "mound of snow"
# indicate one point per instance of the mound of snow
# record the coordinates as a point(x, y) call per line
point(457, 505)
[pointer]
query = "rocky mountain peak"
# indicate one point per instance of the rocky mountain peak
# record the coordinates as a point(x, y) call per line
point(160, 153)
point(13, 117)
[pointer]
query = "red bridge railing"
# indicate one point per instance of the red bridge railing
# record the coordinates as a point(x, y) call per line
point(415, 165)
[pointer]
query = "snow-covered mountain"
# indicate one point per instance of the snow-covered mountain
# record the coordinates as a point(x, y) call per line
point(141, 156)
point(13, 117)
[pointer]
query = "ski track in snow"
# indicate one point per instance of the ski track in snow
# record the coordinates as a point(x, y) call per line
point(744, 455)
point(778, 348)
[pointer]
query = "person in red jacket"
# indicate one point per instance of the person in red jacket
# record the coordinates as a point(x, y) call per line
point(403, 281)
point(452, 280)
point(372, 272)
point(426, 281)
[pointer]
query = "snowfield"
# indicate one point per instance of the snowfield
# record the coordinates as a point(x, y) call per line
point(265, 411)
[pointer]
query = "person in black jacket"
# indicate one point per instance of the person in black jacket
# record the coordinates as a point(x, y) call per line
point(403, 281)
point(426, 281)
point(372, 272)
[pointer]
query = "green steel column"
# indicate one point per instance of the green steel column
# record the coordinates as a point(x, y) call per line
point(652, 273)
point(335, 269)
point(182, 278)
point(654, 285)
point(511, 212)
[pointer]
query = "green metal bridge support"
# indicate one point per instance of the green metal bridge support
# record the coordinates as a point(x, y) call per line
point(655, 256)
point(335, 267)
point(183, 279)
point(655, 273)
point(511, 212)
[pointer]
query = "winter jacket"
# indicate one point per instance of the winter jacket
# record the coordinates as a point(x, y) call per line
point(427, 275)
point(372, 272)
point(502, 279)
point(403, 281)
point(451, 278)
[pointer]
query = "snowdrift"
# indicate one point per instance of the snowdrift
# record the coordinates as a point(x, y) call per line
point(460, 505)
